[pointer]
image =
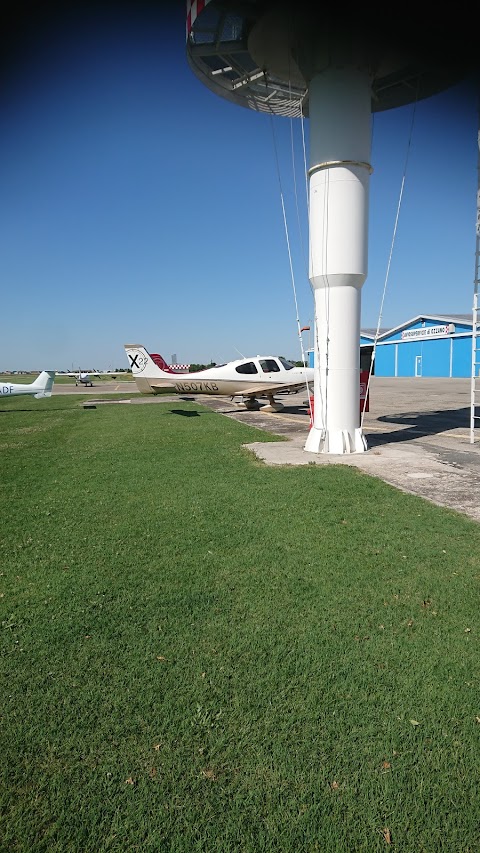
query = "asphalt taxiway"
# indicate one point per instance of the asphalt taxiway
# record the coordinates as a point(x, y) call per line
point(417, 431)
point(108, 386)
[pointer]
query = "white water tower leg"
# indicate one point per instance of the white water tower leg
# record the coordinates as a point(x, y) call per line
point(340, 134)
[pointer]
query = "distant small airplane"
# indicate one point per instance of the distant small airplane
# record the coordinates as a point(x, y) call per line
point(41, 387)
point(247, 377)
point(82, 378)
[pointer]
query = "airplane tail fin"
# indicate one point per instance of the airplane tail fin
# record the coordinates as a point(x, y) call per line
point(44, 384)
point(160, 361)
point(142, 364)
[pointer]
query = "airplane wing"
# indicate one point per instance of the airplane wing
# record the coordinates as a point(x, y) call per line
point(255, 389)
point(89, 372)
point(273, 388)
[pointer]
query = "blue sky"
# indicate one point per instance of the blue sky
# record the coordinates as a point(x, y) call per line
point(138, 207)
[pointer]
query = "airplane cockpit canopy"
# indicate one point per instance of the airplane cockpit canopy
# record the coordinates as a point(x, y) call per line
point(267, 365)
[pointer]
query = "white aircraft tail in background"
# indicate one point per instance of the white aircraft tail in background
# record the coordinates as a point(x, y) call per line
point(261, 375)
point(41, 387)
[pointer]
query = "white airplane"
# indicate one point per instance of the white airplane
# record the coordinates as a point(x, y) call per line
point(247, 377)
point(41, 387)
point(82, 378)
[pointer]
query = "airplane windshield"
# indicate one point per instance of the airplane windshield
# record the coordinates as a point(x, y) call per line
point(287, 364)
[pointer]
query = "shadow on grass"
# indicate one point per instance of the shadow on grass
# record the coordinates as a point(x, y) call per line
point(38, 411)
point(186, 413)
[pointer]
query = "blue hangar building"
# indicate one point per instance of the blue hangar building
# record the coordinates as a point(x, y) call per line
point(427, 345)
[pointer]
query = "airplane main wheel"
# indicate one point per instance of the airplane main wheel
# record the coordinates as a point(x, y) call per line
point(251, 404)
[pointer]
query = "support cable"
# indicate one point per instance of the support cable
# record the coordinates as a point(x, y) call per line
point(304, 256)
point(300, 231)
point(380, 314)
point(316, 347)
point(287, 236)
point(282, 201)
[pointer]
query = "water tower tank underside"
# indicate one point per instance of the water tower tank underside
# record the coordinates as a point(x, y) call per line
point(262, 55)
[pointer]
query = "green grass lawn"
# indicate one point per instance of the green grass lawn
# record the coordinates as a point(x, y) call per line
point(201, 653)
